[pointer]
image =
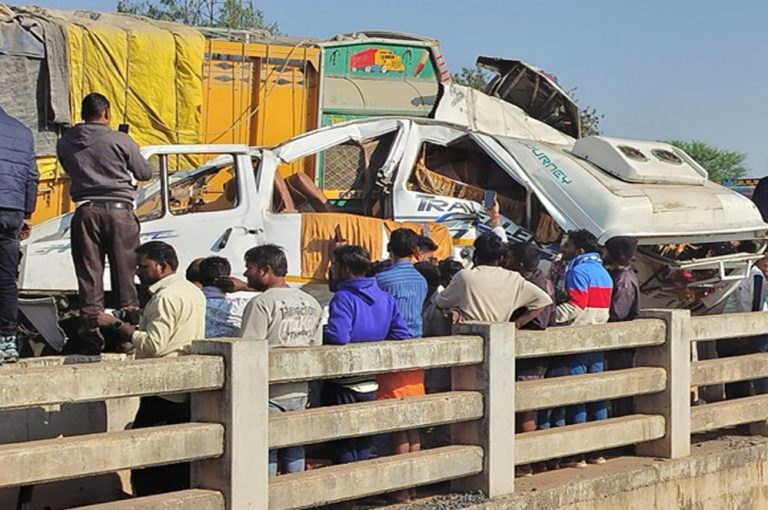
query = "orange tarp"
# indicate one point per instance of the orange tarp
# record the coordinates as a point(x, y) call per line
point(318, 231)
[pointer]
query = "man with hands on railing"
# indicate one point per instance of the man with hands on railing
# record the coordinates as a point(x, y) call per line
point(286, 317)
point(359, 312)
point(173, 317)
point(490, 293)
point(588, 287)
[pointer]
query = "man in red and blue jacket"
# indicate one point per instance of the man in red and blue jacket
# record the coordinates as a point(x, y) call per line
point(588, 287)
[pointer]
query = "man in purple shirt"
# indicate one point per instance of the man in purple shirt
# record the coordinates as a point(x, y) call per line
point(359, 312)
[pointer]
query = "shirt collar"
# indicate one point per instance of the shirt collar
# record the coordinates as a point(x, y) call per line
point(214, 292)
point(164, 282)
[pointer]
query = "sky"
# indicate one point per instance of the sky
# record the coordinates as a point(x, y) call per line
point(657, 70)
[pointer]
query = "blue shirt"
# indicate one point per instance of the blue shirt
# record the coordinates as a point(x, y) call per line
point(409, 289)
point(223, 313)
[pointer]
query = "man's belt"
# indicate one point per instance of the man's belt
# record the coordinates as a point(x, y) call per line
point(111, 204)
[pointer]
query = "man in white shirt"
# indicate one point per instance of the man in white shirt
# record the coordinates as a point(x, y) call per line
point(286, 317)
point(490, 293)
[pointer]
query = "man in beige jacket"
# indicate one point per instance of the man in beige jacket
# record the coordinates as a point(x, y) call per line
point(173, 317)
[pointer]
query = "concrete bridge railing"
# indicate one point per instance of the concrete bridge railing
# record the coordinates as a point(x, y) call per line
point(231, 430)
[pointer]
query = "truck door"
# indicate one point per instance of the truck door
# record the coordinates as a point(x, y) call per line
point(203, 201)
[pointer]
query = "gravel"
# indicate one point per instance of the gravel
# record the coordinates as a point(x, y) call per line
point(446, 502)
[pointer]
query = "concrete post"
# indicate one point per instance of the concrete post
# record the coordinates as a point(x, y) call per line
point(241, 473)
point(495, 377)
point(674, 402)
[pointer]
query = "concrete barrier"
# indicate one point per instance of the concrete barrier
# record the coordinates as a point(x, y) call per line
point(231, 431)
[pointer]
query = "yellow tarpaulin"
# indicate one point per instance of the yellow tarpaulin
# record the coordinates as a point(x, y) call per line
point(151, 71)
point(318, 230)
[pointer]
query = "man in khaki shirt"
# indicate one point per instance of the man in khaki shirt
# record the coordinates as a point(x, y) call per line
point(171, 320)
point(490, 293)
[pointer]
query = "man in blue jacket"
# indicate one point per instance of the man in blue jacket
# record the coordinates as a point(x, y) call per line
point(18, 194)
point(359, 312)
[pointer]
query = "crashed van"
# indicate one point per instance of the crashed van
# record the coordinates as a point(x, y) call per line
point(696, 238)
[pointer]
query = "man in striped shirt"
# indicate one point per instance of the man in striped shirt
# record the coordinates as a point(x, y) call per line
point(409, 288)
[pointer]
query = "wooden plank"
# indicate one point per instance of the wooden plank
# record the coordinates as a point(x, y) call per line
point(193, 499)
point(601, 337)
point(729, 325)
point(85, 382)
point(352, 420)
point(723, 370)
point(94, 454)
point(359, 479)
point(587, 437)
point(329, 361)
point(728, 413)
point(560, 391)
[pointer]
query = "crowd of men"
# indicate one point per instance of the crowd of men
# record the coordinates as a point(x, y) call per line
point(409, 295)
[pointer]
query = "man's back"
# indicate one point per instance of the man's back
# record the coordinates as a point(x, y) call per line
point(589, 288)
point(101, 162)
point(286, 317)
point(361, 312)
point(18, 171)
point(625, 298)
point(409, 288)
point(223, 312)
point(546, 317)
point(491, 294)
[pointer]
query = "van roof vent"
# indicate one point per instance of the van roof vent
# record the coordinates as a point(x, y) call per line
point(640, 162)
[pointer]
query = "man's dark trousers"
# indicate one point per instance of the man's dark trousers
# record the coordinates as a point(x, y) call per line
point(99, 229)
point(154, 412)
point(10, 226)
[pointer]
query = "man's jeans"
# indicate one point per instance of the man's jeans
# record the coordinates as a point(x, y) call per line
point(10, 226)
point(292, 458)
point(587, 363)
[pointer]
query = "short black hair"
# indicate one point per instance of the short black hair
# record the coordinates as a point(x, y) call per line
point(270, 255)
point(448, 269)
point(353, 257)
point(430, 272)
point(93, 106)
point(378, 266)
point(193, 270)
point(584, 240)
point(159, 252)
point(526, 254)
point(488, 249)
point(426, 243)
point(212, 268)
point(403, 242)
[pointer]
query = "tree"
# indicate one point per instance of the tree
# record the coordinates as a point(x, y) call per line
point(473, 77)
point(589, 116)
point(235, 14)
point(478, 78)
point(720, 163)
